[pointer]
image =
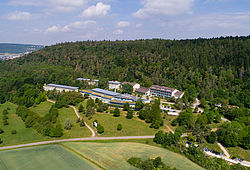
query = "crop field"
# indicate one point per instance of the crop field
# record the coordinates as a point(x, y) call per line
point(114, 155)
point(43, 157)
point(130, 127)
point(23, 134)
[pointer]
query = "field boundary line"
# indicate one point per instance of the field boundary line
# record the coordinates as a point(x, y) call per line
point(79, 154)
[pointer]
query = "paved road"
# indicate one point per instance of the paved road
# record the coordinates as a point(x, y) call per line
point(227, 155)
point(75, 139)
point(77, 114)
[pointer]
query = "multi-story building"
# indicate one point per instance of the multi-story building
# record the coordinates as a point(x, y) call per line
point(112, 97)
point(166, 92)
point(59, 88)
point(143, 90)
point(114, 85)
point(92, 82)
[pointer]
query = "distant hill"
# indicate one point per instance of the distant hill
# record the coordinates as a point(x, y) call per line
point(18, 48)
point(215, 70)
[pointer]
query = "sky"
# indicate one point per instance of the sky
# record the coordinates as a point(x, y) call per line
point(47, 22)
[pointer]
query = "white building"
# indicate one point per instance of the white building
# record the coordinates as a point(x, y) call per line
point(134, 85)
point(91, 82)
point(114, 85)
point(143, 90)
point(166, 92)
point(59, 88)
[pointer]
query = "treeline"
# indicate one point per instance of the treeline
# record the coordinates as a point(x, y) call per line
point(47, 125)
point(196, 154)
point(215, 70)
point(152, 164)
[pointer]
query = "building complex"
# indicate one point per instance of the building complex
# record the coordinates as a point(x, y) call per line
point(111, 97)
point(59, 88)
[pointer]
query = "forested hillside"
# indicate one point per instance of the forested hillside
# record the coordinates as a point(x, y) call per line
point(215, 70)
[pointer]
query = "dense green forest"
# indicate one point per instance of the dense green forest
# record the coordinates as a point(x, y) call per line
point(214, 70)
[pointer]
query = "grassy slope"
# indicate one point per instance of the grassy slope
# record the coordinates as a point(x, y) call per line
point(42, 109)
point(23, 135)
point(64, 113)
point(114, 155)
point(239, 152)
point(43, 157)
point(130, 127)
point(76, 131)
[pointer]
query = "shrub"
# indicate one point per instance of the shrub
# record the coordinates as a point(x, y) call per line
point(13, 132)
point(129, 114)
point(5, 122)
point(1, 131)
point(1, 141)
point(116, 112)
point(5, 112)
point(119, 127)
point(68, 125)
point(80, 108)
point(100, 129)
point(82, 123)
point(78, 120)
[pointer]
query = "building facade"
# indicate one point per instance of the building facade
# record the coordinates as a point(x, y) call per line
point(114, 85)
point(59, 88)
point(165, 92)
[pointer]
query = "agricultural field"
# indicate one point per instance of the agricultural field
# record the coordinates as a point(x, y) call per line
point(43, 157)
point(23, 134)
point(130, 127)
point(114, 155)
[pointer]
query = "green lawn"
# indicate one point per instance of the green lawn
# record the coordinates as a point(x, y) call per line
point(43, 157)
point(42, 109)
point(239, 152)
point(27, 135)
point(23, 135)
point(114, 155)
point(130, 127)
point(76, 131)
point(211, 146)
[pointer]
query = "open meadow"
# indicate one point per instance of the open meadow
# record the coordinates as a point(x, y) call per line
point(43, 157)
point(130, 127)
point(23, 134)
point(64, 113)
point(114, 155)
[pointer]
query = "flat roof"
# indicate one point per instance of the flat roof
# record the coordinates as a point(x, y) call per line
point(127, 96)
point(63, 86)
point(85, 79)
point(114, 82)
point(162, 88)
point(106, 92)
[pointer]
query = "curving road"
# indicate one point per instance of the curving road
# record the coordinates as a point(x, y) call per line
point(227, 155)
point(77, 114)
point(75, 139)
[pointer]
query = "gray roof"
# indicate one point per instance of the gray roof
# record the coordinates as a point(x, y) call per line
point(106, 92)
point(114, 82)
point(63, 86)
point(127, 96)
point(84, 79)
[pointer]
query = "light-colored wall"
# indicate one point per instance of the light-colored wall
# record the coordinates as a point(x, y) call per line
point(114, 86)
point(47, 88)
